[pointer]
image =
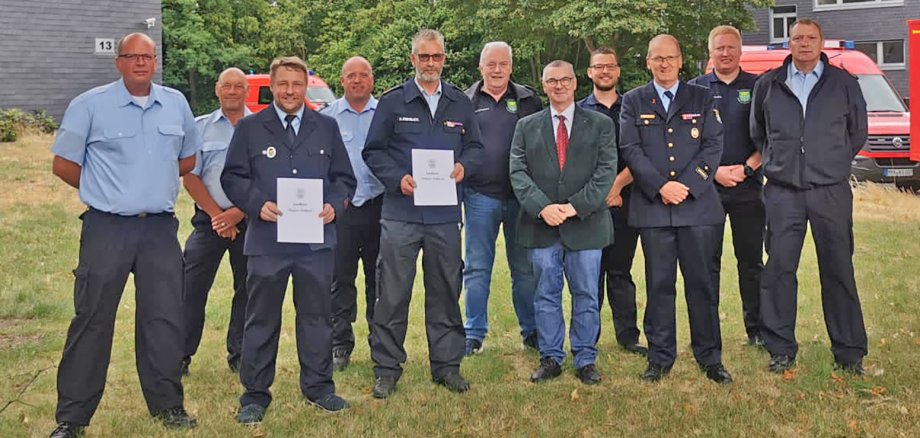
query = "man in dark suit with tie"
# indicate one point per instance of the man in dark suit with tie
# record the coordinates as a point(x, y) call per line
point(286, 140)
point(672, 139)
point(563, 162)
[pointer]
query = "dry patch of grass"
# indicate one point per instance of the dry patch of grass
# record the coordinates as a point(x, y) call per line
point(27, 179)
point(885, 203)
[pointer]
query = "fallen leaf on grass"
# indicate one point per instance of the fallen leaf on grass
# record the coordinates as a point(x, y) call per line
point(837, 378)
point(788, 375)
point(883, 341)
point(800, 396)
point(903, 410)
point(737, 397)
point(853, 426)
point(879, 390)
point(574, 396)
point(258, 433)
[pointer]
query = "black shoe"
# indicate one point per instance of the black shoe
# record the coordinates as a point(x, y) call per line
point(454, 382)
point(755, 340)
point(855, 368)
point(635, 348)
point(186, 361)
point(530, 341)
point(548, 369)
point(176, 418)
point(340, 359)
point(250, 414)
point(717, 373)
point(384, 386)
point(588, 374)
point(471, 347)
point(234, 365)
point(67, 430)
point(655, 372)
point(330, 403)
point(779, 363)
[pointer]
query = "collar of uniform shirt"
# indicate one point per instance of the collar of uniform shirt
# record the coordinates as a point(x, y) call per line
point(568, 113)
point(341, 105)
point(125, 98)
point(220, 114)
point(425, 93)
point(295, 123)
point(661, 91)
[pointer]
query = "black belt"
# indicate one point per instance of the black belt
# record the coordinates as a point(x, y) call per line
point(140, 215)
point(370, 202)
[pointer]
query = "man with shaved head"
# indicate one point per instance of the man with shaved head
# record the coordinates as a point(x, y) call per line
point(671, 136)
point(359, 226)
point(563, 162)
point(218, 225)
point(124, 145)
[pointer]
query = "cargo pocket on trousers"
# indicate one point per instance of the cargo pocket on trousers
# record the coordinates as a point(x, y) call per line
point(80, 284)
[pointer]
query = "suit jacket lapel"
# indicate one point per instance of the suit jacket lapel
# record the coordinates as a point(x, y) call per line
point(307, 123)
point(650, 95)
point(579, 131)
point(549, 138)
point(273, 124)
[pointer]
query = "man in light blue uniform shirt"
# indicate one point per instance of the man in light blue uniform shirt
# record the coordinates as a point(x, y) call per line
point(358, 227)
point(124, 145)
point(218, 224)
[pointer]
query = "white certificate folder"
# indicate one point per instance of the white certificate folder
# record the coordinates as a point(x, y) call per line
point(300, 202)
point(431, 170)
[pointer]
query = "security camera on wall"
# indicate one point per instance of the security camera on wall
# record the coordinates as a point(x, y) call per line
point(150, 22)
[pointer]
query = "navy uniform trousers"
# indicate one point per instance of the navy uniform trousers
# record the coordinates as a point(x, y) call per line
point(616, 274)
point(111, 247)
point(829, 209)
point(204, 251)
point(266, 286)
point(664, 248)
point(400, 243)
point(358, 234)
point(747, 224)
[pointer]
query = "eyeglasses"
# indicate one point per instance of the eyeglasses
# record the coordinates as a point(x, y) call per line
point(663, 59)
point(228, 87)
point(352, 76)
point(134, 57)
point(425, 57)
point(504, 65)
point(565, 82)
point(603, 67)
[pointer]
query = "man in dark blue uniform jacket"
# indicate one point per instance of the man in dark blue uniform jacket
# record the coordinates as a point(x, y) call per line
point(672, 139)
point(423, 113)
point(286, 140)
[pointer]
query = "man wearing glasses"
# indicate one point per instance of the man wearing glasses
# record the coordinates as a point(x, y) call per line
point(563, 162)
point(218, 225)
point(431, 116)
point(617, 259)
point(489, 201)
point(124, 146)
point(672, 140)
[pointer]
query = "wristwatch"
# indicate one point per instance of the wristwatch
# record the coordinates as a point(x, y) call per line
point(748, 171)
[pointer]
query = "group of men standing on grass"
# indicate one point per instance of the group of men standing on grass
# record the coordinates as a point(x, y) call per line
point(573, 187)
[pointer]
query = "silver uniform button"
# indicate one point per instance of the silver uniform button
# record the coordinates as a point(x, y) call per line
point(294, 171)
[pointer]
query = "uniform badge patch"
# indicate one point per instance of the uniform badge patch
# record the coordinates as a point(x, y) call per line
point(270, 152)
point(702, 173)
point(695, 132)
point(511, 106)
point(744, 96)
point(718, 115)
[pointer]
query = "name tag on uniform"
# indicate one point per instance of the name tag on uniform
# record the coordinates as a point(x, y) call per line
point(689, 116)
point(483, 109)
point(407, 119)
point(646, 116)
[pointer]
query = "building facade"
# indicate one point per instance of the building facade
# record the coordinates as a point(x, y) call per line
point(879, 28)
point(53, 50)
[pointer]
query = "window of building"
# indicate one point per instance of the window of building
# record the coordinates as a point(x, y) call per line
point(781, 20)
point(854, 4)
point(887, 54)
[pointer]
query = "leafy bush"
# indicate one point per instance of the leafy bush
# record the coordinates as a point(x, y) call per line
point(14, 122)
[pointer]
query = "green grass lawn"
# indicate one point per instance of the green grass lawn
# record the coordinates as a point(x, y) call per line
point(39, 233)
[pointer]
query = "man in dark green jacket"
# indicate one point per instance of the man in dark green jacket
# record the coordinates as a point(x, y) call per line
point(563, 162)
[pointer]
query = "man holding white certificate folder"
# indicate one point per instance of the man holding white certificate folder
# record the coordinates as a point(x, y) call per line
point(288, 169)
point(421, 144)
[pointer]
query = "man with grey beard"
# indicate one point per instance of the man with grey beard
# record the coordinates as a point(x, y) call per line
point(428, 114)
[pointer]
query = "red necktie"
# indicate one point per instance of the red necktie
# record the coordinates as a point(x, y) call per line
point(562, 141)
